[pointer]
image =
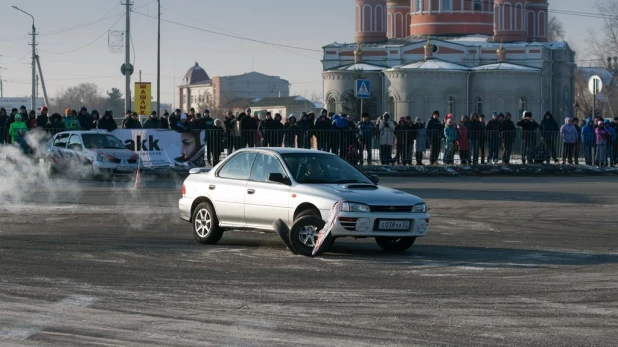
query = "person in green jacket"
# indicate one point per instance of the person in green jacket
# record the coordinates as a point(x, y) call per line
point(18, 128)
point(450, 141)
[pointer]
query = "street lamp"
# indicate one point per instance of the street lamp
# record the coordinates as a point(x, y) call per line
point(33, 102)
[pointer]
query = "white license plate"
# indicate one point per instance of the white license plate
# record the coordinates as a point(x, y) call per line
point(394, 225)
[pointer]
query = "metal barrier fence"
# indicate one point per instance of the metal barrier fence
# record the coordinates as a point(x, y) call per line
point(411, 147)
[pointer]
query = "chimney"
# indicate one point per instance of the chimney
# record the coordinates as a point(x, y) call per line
point(428, 49)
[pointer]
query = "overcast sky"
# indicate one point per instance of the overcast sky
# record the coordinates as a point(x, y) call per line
point(73, 45)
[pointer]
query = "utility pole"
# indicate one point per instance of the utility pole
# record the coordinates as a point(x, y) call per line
point(140, 76)
point(127, 60)
point(159, 59)
point(38, 63)
point(33, 102)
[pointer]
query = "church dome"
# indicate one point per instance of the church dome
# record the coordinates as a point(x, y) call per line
point(196, 75)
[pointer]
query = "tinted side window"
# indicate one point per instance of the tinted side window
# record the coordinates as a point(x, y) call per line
point(61, 141)
point(265, 165)
point(238, 167)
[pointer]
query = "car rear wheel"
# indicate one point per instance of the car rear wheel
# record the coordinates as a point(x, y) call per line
point(304, 233)
point(395, 244)
point(206, 228)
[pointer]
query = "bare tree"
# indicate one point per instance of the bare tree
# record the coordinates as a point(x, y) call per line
point(604, 43)
point(84, 94)
point(556, 30)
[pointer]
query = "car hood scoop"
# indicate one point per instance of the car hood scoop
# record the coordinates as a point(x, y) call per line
point(356, 186)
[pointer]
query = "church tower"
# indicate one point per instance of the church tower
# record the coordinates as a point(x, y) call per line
point(537, 21)
point(370, 21)
point(509, 21)
point(451, 17)
point(398, 19)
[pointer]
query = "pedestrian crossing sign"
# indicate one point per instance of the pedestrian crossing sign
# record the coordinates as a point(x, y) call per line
point(363, 89)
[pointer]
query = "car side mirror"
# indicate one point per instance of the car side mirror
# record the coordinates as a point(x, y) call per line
point(278, 178)
point(375, 179)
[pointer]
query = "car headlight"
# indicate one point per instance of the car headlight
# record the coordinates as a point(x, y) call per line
point(354, 207)
point(102, 158)
point(419, 208)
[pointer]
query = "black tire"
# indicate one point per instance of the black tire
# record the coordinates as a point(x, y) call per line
point(304, 231)
point(395, 244)
point(205, 225)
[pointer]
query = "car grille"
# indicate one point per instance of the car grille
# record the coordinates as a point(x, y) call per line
point(132, 161)
point(391, 209)
point(116, 161)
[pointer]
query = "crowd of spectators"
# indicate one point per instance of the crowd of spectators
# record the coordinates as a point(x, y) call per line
point(469, 141)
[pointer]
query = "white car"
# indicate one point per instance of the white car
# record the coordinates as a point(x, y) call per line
point(255, 187)
point(91, 153)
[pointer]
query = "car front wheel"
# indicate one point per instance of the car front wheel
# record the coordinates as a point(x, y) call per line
point(304, 233)
point(395, 244)
point(206, 225)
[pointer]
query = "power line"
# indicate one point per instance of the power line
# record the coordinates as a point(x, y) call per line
point(89, 43)
point(20, 59)
point(232, 36)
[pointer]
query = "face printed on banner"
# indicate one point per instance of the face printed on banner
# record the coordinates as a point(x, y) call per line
point(190, 145)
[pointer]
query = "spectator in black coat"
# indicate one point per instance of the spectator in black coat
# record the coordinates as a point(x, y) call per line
point(322, 130)
point(84, 119)
point(508, 130)
point(475, 133)
point(165, 124)
point(435, 130)
point(265, 129)
point(550, 131)
point(4, 129)
point(278, 131)
point(55, 124)
point(42, 119)
point(528, 137)
point(153, 122)
point(174, 119)
point(107, 122)
point(492, 129)
point(248, 128)
point(133, 122)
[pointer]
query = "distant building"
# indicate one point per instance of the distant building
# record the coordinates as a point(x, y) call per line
point(285, 106)
point(456, 57)
point(199, 90)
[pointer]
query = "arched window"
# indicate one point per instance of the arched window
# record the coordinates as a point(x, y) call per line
point(446, 5)
point(450, 105)
point(391, 106)
point(522, 104)
point(332, 105)
point(479, 105)
point(478, 5)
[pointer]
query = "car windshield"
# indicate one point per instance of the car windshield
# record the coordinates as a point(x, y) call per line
point(102, 141)
point(315, 168)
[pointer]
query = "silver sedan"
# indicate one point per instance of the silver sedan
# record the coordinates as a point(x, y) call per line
point(255, 187)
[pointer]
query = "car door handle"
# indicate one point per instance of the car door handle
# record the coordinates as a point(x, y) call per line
point(251, 191)
point(212, 187)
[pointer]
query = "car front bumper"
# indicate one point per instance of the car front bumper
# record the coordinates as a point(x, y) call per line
point(368, 224)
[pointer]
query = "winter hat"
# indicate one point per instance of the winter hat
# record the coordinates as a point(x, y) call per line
point(166, 113)
point(495, 114)
point(18, 116)
point(83, 108)
point(589, 119)
point(616, 119)
point(184, 116)
point(450, 116)
point(292, 116)
point(107, 113)
point(43, 108)
point(600, 122)
point(567, 120)
point(607, 121)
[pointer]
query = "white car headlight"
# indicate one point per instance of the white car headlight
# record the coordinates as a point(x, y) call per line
point(419, 208)
point(102, 158)
point(354, 207)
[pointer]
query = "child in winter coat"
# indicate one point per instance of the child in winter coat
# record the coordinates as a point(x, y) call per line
point(602, 135)
point(450, 141)
point(588, 139)
point(421, 140)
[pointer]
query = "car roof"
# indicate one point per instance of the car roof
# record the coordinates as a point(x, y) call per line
point(84, 132)
point(282, 150)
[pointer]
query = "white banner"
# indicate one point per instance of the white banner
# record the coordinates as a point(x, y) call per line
point(9, 103)
point(165, 148)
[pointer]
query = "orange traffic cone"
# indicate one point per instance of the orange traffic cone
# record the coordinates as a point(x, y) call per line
point(138, 180)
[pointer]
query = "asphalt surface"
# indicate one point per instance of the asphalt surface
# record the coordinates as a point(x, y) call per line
point(508, 262)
